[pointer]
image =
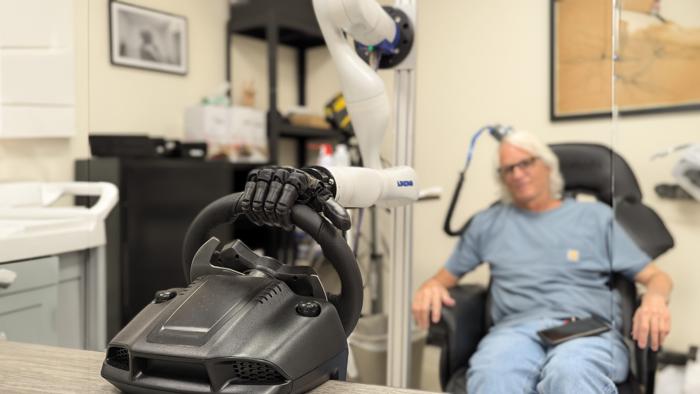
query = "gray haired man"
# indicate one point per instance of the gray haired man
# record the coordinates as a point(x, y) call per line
point(549, 258)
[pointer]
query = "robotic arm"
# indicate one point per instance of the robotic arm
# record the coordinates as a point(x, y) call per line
point(367, 104)
point(270, 193)
point(364, 91)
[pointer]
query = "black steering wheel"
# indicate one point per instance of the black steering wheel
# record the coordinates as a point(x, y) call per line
point(227, 209)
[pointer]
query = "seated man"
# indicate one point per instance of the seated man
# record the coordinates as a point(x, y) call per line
point(550, 260)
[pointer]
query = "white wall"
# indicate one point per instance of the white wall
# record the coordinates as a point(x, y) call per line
point(51, 158)
point(111, 99)
point(486, 62)
point(37, 68)
point(478, 63)
point(490, 74)
point(129, 100)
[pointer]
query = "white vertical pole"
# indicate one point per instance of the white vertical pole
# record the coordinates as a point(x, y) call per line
point(399, 343)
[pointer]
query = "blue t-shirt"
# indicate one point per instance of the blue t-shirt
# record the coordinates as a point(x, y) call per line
point(552, 264)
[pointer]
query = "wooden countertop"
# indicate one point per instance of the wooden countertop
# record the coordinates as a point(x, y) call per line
point(27, 368)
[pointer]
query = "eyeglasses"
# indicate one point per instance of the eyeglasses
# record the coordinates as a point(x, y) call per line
point(523, 165)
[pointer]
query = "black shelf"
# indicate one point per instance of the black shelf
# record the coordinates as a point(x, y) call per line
point(281, 22)
point(295, 20)
point(292, 131)
point(289, 37)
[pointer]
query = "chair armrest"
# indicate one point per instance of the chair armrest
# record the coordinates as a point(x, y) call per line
point(644, 226)
point(645, 360)
point(460, 328)
point(646, 364)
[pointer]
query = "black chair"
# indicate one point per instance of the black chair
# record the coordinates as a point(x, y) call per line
point(591, 169)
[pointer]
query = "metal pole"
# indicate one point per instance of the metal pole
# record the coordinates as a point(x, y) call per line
point(375, 268)
point(399, 343)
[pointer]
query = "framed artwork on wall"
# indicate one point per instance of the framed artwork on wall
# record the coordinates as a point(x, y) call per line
point(147, 39)
point(657, 67)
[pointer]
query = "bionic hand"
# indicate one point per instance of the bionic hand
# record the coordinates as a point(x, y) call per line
point(270, 193)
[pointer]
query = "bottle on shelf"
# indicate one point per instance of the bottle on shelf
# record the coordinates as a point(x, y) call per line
point(325, 156)
point(341, 157)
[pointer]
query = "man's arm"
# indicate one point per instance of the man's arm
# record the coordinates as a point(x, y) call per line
point(652, 320)
point(430, 297)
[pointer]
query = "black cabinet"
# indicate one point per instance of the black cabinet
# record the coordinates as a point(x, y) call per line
point(281, 22)
point(159, 198)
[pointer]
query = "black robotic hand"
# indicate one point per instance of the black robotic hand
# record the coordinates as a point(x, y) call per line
point(271, 192)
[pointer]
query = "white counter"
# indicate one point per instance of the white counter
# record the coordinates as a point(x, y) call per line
point(26, 239)
point(35, 229)
point(53, 288)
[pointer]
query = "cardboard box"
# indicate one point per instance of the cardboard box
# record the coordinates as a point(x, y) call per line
point(239, 133)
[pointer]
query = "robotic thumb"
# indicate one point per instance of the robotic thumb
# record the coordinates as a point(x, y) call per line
point(337, 214)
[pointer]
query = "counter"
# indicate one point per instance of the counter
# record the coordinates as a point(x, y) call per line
point(26, 368)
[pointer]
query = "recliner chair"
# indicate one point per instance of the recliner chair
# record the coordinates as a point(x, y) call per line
point(591, 169)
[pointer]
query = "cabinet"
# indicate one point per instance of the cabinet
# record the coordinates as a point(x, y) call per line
point(46, 303)
point(158, 199)
point(29, 305)
point(280, 22)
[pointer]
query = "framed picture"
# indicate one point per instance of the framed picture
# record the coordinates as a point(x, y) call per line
point(147, 39)
point(657, 67)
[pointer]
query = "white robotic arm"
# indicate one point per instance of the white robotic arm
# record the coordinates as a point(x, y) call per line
point(270, 193)
point(363, 89)
point(366, 100)
point(368, 107)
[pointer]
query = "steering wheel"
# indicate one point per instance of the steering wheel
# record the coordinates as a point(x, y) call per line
point(227, 209)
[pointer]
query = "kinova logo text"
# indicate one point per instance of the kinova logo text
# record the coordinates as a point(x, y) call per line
point(404, 183)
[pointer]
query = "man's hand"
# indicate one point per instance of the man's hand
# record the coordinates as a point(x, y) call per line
point(652, 321)
point(271, 192)
point(427, 303)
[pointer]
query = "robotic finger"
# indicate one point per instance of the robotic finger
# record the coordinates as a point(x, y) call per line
point(248, 196)
point(284, 205)
point(336, 214)
point(273, 195)
point(262, 183)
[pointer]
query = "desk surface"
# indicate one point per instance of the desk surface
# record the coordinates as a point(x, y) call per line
point(26, 368)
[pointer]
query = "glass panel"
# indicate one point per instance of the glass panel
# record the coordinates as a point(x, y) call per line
point(657, 97)
point(554, 81)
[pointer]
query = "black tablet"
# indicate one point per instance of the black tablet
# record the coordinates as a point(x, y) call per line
point(574, 329)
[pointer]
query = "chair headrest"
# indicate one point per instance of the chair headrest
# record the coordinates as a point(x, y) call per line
point(591, 168)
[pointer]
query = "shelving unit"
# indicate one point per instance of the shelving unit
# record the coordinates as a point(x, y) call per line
point(280, 22)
